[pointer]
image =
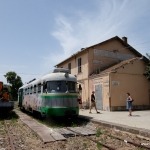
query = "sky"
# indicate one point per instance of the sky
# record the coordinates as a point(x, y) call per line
point(35, 35)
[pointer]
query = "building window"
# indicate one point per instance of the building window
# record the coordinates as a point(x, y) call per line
point(79, 65)
point(69, 67)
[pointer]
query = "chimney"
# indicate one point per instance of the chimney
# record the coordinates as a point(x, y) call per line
point(125, 40)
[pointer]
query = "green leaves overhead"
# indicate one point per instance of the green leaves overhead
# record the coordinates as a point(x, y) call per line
point(15, 81)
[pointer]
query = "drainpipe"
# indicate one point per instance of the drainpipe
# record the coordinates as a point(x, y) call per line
point(88, 79)
point(110, 92)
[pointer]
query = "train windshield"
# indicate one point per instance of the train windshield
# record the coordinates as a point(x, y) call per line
point(61, 86)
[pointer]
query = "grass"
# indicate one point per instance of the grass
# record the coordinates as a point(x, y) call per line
point(99, 146)
point(99, 132)
point(85, 145)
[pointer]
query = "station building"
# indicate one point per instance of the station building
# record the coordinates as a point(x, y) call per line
point(111, 69)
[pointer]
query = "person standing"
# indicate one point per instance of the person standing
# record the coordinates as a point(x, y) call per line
point(93, 103)
point(129, 103)
point(80, 101)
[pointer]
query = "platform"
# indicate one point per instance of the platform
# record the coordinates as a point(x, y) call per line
point(138, 123)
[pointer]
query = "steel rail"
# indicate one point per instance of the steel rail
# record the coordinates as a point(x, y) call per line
point(9, 137)
point(130, 142)
point(95, 141)
point(115, 137)
point(141, 145)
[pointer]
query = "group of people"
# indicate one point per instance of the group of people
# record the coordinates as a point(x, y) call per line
point(129, 101)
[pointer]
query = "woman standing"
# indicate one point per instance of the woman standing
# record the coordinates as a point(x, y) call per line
point(129, 104)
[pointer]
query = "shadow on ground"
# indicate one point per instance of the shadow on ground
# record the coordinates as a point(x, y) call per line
point(8, 115)
point(59, 122)
point(135, 115)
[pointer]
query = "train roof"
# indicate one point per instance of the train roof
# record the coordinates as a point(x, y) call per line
point(55, 76)
point(58, 76)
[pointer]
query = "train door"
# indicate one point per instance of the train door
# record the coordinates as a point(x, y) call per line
point(98, 96)
point(20, 97)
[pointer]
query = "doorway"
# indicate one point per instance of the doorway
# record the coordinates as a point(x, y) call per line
point(98, 96)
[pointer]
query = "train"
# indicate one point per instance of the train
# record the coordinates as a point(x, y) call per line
point(52, 95)
point(6, 105)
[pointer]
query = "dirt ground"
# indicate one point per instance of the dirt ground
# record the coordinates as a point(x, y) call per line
point(25, 139)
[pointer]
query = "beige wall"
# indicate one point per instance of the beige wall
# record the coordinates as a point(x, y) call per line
point(85, 93)
point(84, 73)
point(82, 77)
point(127, 79)
point(74, 66)
point(130, 79)
point(96, 61)
point(104, 82)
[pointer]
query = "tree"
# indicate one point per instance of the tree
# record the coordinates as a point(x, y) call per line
point(147, 71)
point(15, 81)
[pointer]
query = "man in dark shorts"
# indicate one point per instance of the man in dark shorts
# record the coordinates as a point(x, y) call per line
point(93, 103)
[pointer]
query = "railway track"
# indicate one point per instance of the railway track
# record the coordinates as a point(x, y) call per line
point(131, 142)
point(16, 135)
point(11, 135)
point(11, 142)
point(13, 146)
point(86, 132)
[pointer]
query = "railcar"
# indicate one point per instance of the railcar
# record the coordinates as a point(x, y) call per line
point(6, 105)
point(52, 95)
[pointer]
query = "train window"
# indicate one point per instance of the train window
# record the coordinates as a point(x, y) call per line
point(24, 92)
point(61, 86)
point(56, 86)
point(45, 87)
point(39, 88)
point(34, 88)
point(31, 90)
point(27, 91)
point(71, 86)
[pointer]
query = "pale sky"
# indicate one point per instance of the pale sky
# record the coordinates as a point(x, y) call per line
point(35, 35)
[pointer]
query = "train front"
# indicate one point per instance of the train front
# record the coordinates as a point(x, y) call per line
point(60, 96)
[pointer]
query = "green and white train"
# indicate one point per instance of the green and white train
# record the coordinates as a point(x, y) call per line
point(52, 95)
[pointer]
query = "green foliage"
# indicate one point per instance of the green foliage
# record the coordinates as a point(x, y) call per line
point(99, 132)
point(99, 146)
point(15, 82)
point(147, 71)
point(85, 145)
